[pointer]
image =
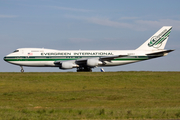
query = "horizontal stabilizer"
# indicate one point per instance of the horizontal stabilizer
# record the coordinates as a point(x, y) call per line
point(161, 52)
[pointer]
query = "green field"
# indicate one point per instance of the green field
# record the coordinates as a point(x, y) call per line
point(95, 95)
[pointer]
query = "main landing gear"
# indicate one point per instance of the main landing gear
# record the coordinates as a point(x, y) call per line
point(84, 69)
point(22, 70)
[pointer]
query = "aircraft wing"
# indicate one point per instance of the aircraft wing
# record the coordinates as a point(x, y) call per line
point(84, 60)
point(61, 61)
point(105, 58)
point(111, 57)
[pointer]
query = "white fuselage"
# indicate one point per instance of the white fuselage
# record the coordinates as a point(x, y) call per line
point(40, 57)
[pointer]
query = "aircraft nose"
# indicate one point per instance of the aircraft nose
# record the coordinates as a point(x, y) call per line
point(5, 58)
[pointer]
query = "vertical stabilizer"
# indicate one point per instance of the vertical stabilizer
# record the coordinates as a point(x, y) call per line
point(158, 40)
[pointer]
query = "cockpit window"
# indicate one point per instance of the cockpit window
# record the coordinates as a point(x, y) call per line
point(16, 51)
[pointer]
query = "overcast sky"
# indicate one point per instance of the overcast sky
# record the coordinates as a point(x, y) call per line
point(89, 25)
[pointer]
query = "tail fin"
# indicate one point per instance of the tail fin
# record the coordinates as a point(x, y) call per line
point(158, 40)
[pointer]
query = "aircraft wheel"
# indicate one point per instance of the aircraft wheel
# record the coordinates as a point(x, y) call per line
point(22, 70)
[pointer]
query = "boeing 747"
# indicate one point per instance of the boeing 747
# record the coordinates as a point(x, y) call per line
point(85, 60)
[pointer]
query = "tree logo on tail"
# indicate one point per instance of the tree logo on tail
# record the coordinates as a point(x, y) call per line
point(156, 41)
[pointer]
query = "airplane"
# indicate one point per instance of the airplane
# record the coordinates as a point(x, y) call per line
point(85, 60)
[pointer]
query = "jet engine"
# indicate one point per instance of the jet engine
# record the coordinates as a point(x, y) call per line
point(93, 62)
point(68, 65)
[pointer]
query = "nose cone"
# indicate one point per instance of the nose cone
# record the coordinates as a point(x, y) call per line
point(6, 58)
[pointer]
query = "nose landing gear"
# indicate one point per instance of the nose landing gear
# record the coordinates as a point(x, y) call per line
point(22, 70)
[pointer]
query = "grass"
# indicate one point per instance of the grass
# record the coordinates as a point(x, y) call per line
point(110, 95)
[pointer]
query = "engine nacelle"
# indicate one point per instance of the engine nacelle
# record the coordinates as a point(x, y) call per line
point(93, 62)
point(68, 65)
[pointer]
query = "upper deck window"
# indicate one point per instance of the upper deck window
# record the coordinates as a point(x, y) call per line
point(34, 50)
point(16, 51)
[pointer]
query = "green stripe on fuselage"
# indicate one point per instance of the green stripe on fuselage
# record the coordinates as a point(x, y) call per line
point(132, 58)
point(65, 58)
